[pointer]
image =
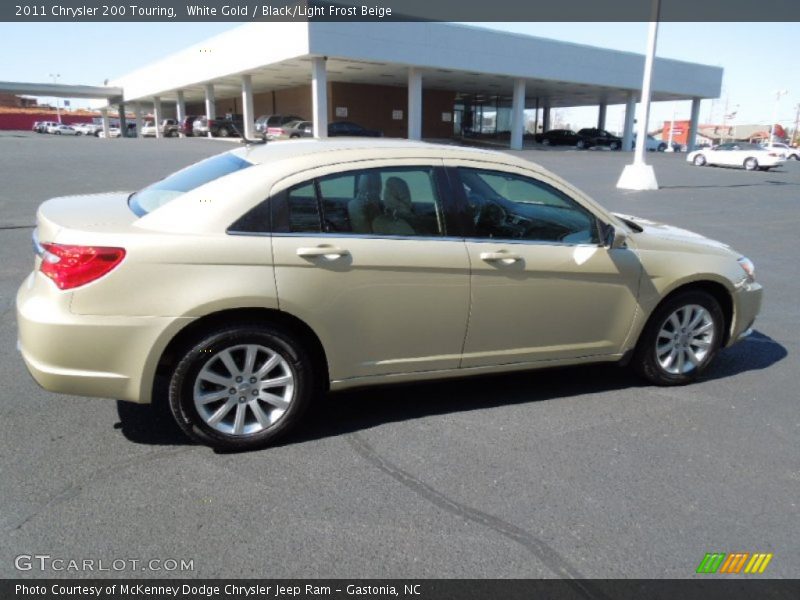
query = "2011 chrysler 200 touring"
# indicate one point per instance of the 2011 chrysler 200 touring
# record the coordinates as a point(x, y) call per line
point(258, 278)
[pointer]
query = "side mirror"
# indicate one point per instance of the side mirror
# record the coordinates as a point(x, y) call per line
point(613, 238)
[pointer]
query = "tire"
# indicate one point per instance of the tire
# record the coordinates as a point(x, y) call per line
point(580, 145)
point(223, 132)
point(793, 157)
point(661, 362)
point(662, 148)
point(750, 164)
point(239, 417)
point(699, 161)
point(614, 145)
point(545, 141)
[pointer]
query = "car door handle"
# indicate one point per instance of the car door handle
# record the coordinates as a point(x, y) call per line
point(329, 252)
point(506, 257)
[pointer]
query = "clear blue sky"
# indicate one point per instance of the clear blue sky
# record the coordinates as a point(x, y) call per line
point(758, 58)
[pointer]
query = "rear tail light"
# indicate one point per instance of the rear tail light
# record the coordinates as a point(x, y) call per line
point(72, 266)
point(275, 130)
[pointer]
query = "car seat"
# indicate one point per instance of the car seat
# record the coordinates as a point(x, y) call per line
point(397, 209)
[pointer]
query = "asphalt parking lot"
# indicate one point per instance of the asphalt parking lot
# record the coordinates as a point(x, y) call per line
point(579, 472)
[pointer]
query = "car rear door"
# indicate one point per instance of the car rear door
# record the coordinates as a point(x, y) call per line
point(378, 278)
point(543, 286)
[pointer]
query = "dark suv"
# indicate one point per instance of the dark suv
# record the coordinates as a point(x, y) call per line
point(592, 136)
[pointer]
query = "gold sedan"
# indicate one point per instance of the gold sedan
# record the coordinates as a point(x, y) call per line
point(257, 279)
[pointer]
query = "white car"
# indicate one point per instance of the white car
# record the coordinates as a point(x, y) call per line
point(88, 128)
point(113, 132)
point(737, 154)
point(51, 126)
point(149, 129)
point(65, 130)
point(788, 152)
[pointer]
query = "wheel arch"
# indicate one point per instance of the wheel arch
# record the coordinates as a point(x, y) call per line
point(208, 323)
point(716, 290)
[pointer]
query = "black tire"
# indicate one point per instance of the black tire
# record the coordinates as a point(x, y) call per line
point(580, 144)
point(699, 161)
point(223, 132)
point(205, 352)
point(750, 164)
point(614, 145)
point(662, 148)
point(545, 141)
point(645, 359)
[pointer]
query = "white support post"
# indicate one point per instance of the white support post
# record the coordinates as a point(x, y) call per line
point(319, 97)
point(180, 112)
point(157, 114)
point(627, 131)
point(247, 107)
point(211, 111)
point(518, 114)
point(414, 104)
point(694, 123)
point(601, 115)
point(640, 175)
point(106, 125)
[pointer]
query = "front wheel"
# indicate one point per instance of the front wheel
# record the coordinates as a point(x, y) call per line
point(546, 142)
point(751, 164)
point(580, 145)
point(614, 145)
point(681, 339)
point(699, 160)
point(242, 387)
point(223, 132)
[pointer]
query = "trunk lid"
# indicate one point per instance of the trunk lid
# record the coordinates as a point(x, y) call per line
point(90, 213)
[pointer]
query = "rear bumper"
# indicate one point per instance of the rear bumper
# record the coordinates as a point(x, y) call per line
point(88, 355)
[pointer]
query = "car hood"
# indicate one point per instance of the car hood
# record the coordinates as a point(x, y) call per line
point(660, 236)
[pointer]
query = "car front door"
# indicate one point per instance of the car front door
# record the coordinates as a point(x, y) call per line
point(544, 287)
point(362, 255)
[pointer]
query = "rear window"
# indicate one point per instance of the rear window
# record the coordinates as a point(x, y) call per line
point(158, 194)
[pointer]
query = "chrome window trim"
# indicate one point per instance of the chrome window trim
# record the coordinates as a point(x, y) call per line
point(373, 236)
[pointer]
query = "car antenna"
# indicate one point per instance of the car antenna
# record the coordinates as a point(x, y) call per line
point(246, 140)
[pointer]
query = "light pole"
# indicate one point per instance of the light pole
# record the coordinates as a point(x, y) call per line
point(640, 175)
point(778, 95)
point(55, 77)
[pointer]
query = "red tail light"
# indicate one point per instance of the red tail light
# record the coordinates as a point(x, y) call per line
point(73, 266)
point(275, 130)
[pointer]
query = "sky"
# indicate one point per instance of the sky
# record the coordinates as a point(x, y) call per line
point(758, 59)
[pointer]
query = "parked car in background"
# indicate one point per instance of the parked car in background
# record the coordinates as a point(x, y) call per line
point(228, 126)
point(65, 130)
point(148, 129)
point(169, 128)
point(737, 154)
point(50, 126)
point(264, 123)
point(37, 127)
point(293, 130)
point(88, 128)
point(372, 275)
point(115, 131)
point(789, 153)
point(591, 137)
point(558, 137)
point(186, 125)
point(652, 145)
point(348, 128)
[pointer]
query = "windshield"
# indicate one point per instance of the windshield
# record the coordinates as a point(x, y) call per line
point(158, 194)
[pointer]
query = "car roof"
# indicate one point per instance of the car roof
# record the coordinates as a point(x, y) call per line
point(344, 149)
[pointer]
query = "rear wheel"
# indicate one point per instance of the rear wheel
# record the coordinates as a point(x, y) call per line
point(580, 144)
point(699, 160)
point(614, 145)
point(223, 132)
point(681, 339)
point(242, 387)
point(751, 164)
point(545, 141)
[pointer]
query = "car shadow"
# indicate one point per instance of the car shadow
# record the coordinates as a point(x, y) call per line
point(733, 185)
point(340, 413)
